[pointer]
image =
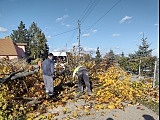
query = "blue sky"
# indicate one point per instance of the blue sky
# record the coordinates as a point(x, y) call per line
point(107, 24)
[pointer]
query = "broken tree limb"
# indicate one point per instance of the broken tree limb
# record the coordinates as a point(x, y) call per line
point(2, 80)
point(31, 101)
point(19, 74)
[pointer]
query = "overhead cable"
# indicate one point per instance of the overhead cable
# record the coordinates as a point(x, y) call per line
point(104, 14)
point(65, 32)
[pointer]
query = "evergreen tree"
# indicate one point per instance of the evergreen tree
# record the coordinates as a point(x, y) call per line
point(111, 56)
point(35, 39)
point(19, 36)
point(37, 42)
point(122, 55)
point(144, 50)
point(42, 50)
point(98, 56)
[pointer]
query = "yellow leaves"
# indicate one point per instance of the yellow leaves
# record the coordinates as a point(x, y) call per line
point(99, 92)
point(117, 88)
point(57, 81)
point(74, 114)
point(64, 110)
point(111, 105)
point(29, 119)
point(99, 106)
point(49, 116)
point(4, 70)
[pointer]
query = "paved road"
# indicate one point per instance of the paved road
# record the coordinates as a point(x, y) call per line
point(132, 112)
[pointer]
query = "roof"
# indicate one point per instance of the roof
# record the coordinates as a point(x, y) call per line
point(7, 47)
point(21, 44)
point(59, 53)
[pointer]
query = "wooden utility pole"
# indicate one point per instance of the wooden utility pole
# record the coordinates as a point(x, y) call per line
point(140, 67)
point(154, 78)
point(79, 37)
point(66, 48)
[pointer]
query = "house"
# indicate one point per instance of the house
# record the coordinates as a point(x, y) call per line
point(10, 49)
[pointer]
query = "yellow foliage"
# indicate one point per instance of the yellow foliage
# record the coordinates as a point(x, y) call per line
point(111, 105)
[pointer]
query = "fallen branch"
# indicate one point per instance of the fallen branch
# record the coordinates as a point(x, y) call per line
point(19, 74)
point(31, 101)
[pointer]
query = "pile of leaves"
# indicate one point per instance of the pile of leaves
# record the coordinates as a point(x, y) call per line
point(116, 88)
point(112, 89)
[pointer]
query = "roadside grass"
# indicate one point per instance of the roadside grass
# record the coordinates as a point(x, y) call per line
point(154, 106)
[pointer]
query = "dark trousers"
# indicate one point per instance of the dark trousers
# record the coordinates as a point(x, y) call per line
point(83, 76)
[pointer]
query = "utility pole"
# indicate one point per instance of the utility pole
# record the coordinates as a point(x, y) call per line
point(140, 67)
point(79, 30)
point(154, 78)
point(66, 47)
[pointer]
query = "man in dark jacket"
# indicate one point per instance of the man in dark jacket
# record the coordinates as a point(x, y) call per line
point(48, 71)
point(82, 74)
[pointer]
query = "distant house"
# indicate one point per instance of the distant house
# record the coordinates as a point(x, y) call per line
point(10, 49)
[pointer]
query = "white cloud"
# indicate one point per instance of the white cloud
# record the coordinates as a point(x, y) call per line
point(75, 44)
point(86, 35)
point(65, 16)
point(90, 49)
point(115, 35)
point(59, 19)
point(116, 47)
point(141, 33)
point(49, 36)
point(3, 29)
point(94, 31)
point(125, 19)
point(59, 50)
point(62, 19)
point(135, 40)
point(67, 25)
point(155, 52)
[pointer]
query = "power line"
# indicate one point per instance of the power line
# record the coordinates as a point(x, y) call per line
point(86, 12)
point(65, 32)
point(105, 14)
point(89, 9)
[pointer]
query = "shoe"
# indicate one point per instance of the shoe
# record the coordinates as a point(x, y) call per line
point(90, 94)
point(49, 95)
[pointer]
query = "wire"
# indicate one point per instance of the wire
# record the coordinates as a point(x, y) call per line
point(89, 9)
point(65, 32)
point(104, 15)
point(85, 10)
